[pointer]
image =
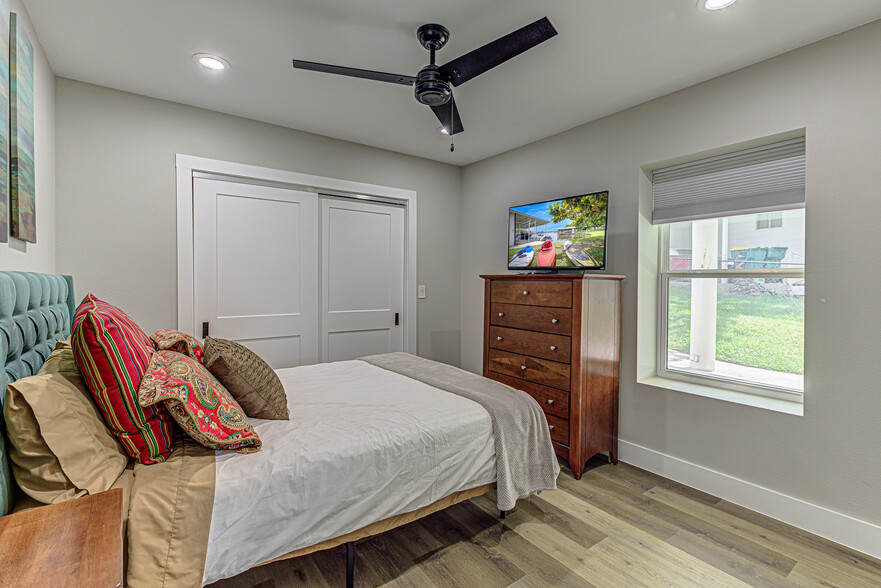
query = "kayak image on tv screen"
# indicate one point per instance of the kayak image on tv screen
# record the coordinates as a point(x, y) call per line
point(568, 233)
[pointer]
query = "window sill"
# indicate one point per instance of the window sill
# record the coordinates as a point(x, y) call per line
point(773, 404)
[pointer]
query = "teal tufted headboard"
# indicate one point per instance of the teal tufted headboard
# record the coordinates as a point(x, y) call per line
point(35, 312)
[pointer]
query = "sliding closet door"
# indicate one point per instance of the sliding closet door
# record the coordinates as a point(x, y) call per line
point(256, 267)
point(362, 277)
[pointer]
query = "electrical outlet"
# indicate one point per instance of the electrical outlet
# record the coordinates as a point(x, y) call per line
point(421, 290)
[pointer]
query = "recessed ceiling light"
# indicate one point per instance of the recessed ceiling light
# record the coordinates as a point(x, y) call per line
point(716, 4)
point(211, 62)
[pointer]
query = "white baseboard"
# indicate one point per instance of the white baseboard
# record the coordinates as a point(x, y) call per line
point(854, 533)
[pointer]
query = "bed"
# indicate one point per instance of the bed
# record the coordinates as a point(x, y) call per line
point(371, 444)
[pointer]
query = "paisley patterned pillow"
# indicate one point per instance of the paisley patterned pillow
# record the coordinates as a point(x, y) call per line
point(178, 341)
point(198, 402)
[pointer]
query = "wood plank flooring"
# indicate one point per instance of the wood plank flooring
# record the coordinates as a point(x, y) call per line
point(617, 526)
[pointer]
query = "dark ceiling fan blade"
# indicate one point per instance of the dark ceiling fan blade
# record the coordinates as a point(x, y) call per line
point(448, 115)
point(355, 73)
point(483, 59)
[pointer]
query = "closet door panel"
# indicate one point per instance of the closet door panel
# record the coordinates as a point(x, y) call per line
point(352, 344)
point(362, 270)
point(247, 257)
point(256, 268)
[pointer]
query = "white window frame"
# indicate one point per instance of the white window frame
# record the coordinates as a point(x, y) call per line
point(713, 381)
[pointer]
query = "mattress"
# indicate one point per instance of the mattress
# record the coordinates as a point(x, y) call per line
point(363, 444)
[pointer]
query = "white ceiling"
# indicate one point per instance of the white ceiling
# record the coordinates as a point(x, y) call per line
point(609, 55)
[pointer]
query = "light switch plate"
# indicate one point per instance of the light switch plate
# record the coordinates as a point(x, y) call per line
point(421, 291)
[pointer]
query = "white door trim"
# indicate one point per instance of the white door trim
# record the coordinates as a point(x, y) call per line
point(186, 165)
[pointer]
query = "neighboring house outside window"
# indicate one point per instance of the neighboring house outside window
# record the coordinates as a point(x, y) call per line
point(731, 289)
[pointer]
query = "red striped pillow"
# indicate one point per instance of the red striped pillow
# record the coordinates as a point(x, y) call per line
point(112, 354)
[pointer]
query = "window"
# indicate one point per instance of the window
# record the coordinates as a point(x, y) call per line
point(731, 292)
point(771, 220)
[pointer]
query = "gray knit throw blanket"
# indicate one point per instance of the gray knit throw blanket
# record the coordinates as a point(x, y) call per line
point(525, 459)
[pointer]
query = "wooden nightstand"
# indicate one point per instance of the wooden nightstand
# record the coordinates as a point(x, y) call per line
point(72, 543)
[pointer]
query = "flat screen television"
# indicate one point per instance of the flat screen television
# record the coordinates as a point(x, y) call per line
point(563, 234)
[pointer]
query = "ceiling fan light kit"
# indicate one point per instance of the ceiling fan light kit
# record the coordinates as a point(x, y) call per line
point(433, 85)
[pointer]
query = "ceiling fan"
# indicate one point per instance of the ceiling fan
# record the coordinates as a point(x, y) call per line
point(432, 83)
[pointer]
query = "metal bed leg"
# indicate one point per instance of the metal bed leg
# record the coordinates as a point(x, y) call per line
point(502, 514)
point(350, 564)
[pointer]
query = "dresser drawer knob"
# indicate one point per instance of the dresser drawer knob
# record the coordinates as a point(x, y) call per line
point(550, 400)
point(550, 427)
point(526, 292)
point(498, 338)
point(554, 321)
point(553, 347)
point(523, 367)
point(501, 314)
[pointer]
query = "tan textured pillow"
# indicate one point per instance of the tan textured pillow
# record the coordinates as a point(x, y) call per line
point(249, 379)
point(61, 447)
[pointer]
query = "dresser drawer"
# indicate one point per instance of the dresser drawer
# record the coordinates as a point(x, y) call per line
point(533, 318)
point(552, 401)
point(559, 429)
point(540, 371)
point(553, 347)
point(533, 292)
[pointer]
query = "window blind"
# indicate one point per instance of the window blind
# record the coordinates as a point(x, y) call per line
point(763, 179)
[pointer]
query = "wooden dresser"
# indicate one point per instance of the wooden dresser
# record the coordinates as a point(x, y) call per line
point(557, 338)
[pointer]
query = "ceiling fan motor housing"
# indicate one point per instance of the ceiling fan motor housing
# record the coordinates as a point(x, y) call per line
point(432, 87)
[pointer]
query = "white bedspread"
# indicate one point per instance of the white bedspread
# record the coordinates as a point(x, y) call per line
point(363, 444)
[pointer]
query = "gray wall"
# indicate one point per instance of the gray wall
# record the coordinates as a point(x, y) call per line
point(830, 456)
point(116, 198)
point(40, 256)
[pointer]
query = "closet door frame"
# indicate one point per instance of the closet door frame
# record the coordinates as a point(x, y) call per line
point(189, 167)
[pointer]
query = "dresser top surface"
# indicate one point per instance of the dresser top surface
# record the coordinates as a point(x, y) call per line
point(549, 276)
